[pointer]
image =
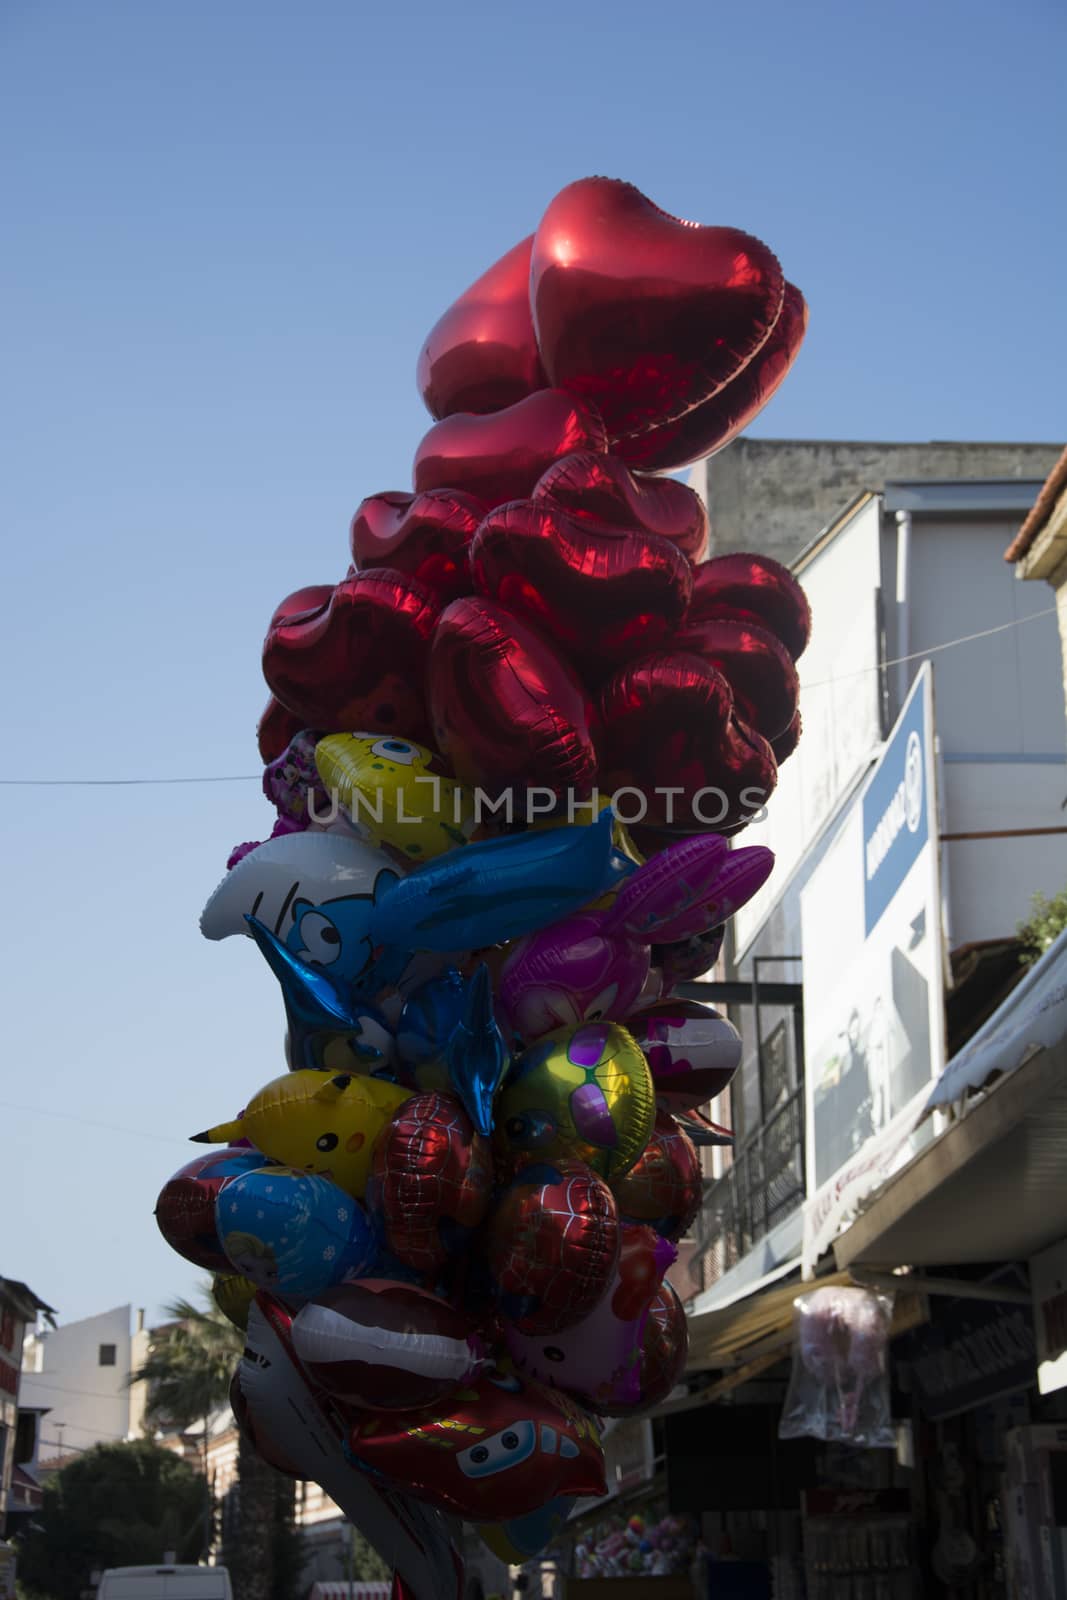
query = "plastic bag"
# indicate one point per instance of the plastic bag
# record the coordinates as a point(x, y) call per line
point(839, 1389)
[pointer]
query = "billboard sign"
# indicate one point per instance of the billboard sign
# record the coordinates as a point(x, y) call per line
point(873, 978)
point(1048, 1283)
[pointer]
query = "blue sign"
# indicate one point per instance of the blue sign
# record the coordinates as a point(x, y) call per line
point(896, 808)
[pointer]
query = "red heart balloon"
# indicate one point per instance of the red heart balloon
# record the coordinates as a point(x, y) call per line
point(276, 730)
point(756, 665)
point(500, 457)
point(357, 661)
point(640, 313)
point(710, 426)
point(667, 723)
point(602, 489)
point(787, 742)
point(506, 712)
point(603, 594)
point(751, 588)
point(482, 354)
point(424, 535)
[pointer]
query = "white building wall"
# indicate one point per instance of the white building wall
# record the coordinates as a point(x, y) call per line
point(64, 1370)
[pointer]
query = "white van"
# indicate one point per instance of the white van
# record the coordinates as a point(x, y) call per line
point(165, 1583)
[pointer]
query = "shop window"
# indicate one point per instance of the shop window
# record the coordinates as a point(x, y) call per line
point(107, 1355)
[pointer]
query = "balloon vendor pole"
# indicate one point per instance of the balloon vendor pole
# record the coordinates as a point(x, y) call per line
point(508, 755)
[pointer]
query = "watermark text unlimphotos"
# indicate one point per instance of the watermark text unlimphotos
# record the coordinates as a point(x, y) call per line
point(468, 808)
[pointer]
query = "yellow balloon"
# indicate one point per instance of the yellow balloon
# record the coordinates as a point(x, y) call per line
point(392, 795)
point(316, 1123)
point(585, 1092)
point(233, 1295)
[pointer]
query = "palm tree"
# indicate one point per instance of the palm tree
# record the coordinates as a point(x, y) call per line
point(190, 1363)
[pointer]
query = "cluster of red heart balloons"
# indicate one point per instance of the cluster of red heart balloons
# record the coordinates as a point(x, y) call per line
point(541, 612)
point(538, 608)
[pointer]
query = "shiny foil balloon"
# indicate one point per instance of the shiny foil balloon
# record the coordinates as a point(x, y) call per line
point(496, 1450)
point(595, 966)
point(293, 1233)
point(640, 313)
point(482, 354)
point(756, 665)
point(285, 878)
point(552, 1245)
point(785, 744)
point(520, 1539)
point(425, 535)
point(500, 457)
point(275, 728)
point(431, 1181)
point(317, 1122)
point(393, 794)
point(601, 489)
point(598, 1360)
point(357, 659)
point(233, 1295)
point(583, 1093)
point(669, 722)
point(507, 713)
point(693, 1052)
point(291, 781)
point(710, 426)
point(257, 1434)
point(386, 1346)
point(602, 593)
point(665, 1187)
point(687, 960)
point(664, 1351)
point(742, 587)
point(185, 1210)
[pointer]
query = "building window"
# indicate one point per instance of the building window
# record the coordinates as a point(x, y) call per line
point(107, 1355)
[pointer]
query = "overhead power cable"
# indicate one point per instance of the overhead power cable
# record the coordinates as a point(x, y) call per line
point(256, 777)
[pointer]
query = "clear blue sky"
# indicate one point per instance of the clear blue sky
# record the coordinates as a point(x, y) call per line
point(226, 229)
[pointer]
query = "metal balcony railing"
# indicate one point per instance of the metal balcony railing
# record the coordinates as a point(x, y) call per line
point(764, 1184)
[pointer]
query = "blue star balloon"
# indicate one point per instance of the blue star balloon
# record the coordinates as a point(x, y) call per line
point(476, 1056)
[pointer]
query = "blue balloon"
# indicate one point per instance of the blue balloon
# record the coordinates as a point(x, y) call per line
point(488, 893)
point(323, 1015)
point(477, 1056)
point(293, 1233)
point(448, 1038)
point(430, 1017)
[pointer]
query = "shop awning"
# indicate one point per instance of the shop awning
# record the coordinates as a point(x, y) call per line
point(739, 1341)
point(1032, 1018)
point(990, 1188)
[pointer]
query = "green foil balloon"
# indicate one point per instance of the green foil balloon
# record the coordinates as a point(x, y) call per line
point(584, 1092)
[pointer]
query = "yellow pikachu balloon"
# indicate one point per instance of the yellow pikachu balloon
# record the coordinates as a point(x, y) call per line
point(316, 1123)
point(392, 795)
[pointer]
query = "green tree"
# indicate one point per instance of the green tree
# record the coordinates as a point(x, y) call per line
point(118, 1505)
point(190, 1365)
point(1046, 922)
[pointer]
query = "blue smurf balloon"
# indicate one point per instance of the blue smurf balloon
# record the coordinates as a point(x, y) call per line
point(293, 1233)
point(330, 1029)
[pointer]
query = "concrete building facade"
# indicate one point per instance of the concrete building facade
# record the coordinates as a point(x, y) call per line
point(774, 495)
point(19, 1308)
point(913, 572)
point(81, 1371)
point(1039, 549)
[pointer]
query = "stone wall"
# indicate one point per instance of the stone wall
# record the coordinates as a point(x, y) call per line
point(775, 495)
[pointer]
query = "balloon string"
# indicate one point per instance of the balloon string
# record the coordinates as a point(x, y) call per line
point(256, 777)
